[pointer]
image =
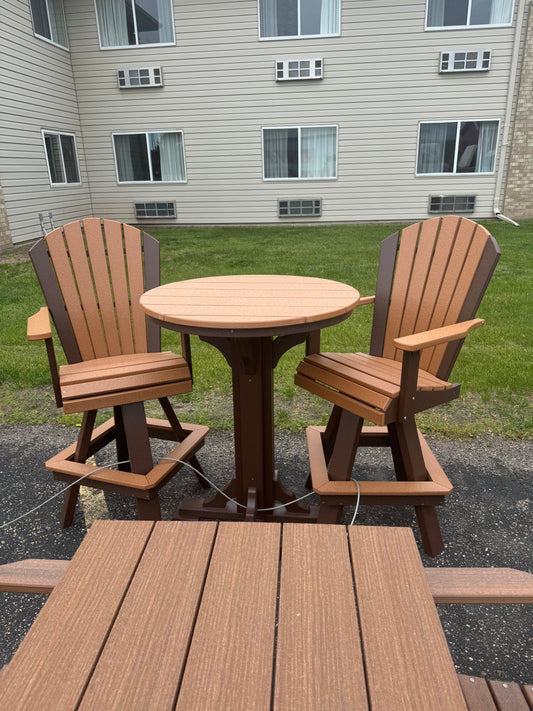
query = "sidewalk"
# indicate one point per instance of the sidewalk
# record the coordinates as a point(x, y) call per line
point(486, 522)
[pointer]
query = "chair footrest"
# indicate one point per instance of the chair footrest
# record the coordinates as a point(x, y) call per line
point(438, 484)
point(65, 469)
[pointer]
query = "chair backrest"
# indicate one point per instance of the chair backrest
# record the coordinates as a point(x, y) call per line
point(431, 274)
point(92, 273)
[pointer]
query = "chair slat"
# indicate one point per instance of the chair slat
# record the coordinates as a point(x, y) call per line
point(85, 285)
point(465, 277)
point(437, 270)
point(119, 281)
point(100, 269)
point(402, 277)
point(63, 269)
point(134, 262)
point(419, 275)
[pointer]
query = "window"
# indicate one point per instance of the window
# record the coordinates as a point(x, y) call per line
point(137, 78)
point(298, 18)
point(452, 203)
point(49, 21)
point(150, 157)
point(127, 23)
point(304, 153)
point(467, 13)
point(155, 209)
point(457, 147)
point(62, 157)
point(299, 208)
point(476, 60)
point(287, 69)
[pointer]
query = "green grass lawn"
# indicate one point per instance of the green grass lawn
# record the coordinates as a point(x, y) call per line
point(494, 366)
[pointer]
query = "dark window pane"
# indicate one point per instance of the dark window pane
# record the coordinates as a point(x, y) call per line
point(287, 18)
point(455, 12)
point(69, 159)
point(310, 16)
point(155, 155)
point(132, 157)
point(480, 14)
point(468, 143)
point(53, 153)
point(40, 18)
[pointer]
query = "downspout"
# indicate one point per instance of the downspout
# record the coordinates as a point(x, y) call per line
point(508, 111)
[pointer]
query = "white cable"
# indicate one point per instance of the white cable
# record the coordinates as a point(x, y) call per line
point(357, 503)
point(105, 466)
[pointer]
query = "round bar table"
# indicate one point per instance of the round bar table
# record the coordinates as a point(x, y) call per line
point(252, 320)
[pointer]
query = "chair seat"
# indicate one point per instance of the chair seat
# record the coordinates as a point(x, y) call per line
point(360, 383)
point(122, 379)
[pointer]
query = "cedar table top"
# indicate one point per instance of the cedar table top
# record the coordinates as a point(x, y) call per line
point(254, 301)
point(200, 615)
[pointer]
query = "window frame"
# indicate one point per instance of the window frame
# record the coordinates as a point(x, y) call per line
point(299, 128)
point(49, 39)
point(468, 26)
point(137, 45)
point(44, 133)
point(456, 150)
point(151, 181)
point(298, 36)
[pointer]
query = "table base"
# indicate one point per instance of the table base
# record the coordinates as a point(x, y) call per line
point(220, 508)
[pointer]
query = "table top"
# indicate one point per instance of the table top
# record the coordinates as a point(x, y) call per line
point(200, 615)
point(254, 301)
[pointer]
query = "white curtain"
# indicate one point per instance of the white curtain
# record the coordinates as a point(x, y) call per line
point(170, 154)
point(500, 13)
point(124, 160)
point(112, 22)
point(329, 17)
point(275, 149)
point(268, 18)
point(431, 147)
point(166, 20)
point(57, 22)
point(488, 135)
point(318, 152)
point(436, 13)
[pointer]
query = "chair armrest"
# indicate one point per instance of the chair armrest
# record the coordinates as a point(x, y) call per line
point(364, 300)
point(436, 336)
point(40, 329)
point(39, 326)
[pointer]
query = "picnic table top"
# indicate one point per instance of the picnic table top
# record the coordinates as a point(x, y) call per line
point(200, 615)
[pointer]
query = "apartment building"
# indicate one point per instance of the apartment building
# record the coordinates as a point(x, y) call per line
point(260, 111)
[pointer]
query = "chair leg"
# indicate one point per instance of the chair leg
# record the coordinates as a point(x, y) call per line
point(428, 523)
point(413, 466)
point(178, 429)
point(80, 455)
point(149, 509)
point(69, 505)
point(328, 513)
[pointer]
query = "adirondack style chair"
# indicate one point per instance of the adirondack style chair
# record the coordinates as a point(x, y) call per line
point(431, 279)
point(92, 274)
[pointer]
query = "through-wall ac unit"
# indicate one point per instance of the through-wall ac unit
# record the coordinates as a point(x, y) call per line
point(155, 210)
point(287, 69)
point(450, 204)
point(300, 208)
point(465, 60)
point(139, 78)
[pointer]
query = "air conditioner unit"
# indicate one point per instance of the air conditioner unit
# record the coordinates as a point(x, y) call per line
point(287, 69)
point(140, 77)
point(465, 60)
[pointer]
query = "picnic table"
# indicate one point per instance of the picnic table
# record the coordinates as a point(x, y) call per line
point(233, 615)
point(252, 320)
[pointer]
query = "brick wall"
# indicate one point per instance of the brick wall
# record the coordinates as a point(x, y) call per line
point(5, 233)
point(518, 202)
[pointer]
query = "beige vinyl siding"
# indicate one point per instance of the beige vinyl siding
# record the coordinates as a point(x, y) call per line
point(37, 92)
point(381, 80)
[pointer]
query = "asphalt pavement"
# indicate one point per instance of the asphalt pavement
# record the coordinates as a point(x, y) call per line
point(485, 522)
